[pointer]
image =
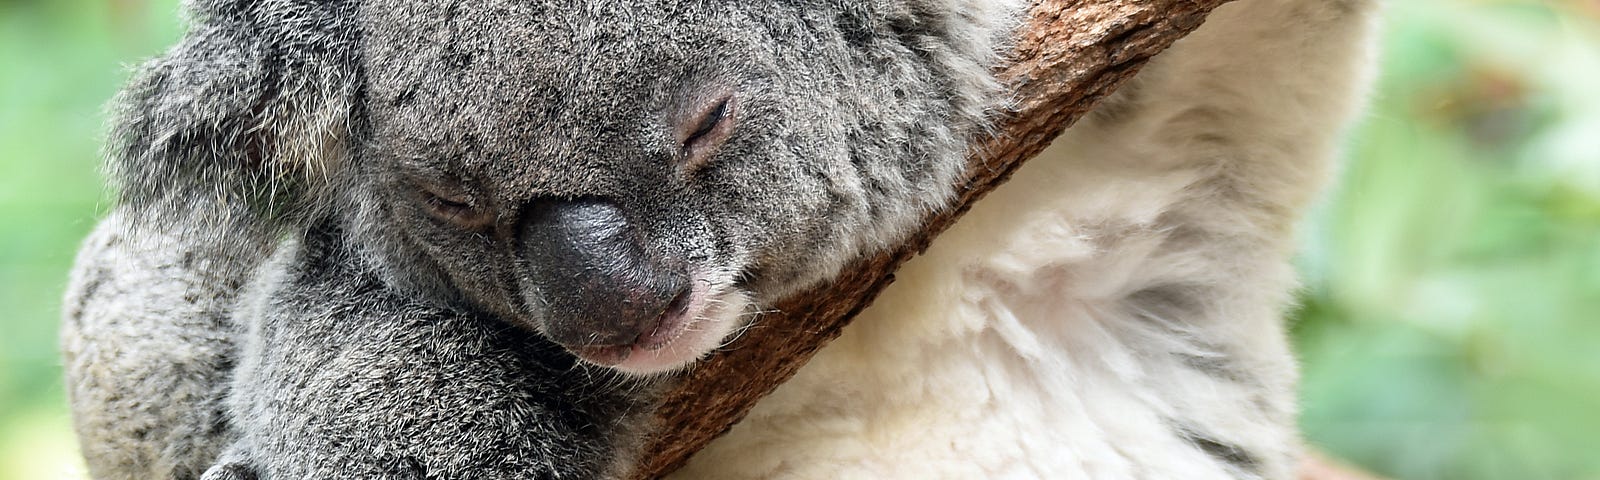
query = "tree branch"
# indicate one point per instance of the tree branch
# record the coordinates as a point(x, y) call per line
point(1070, 54)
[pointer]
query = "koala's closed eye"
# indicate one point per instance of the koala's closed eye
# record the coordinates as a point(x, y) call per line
point(456, 208)
point(705, 131)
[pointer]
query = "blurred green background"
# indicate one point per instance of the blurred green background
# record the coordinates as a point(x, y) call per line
point(1453, 281)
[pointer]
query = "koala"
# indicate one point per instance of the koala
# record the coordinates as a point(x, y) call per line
point(445, 239)
point(448, 239)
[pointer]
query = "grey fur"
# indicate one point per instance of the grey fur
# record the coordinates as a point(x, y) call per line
point(269, 296)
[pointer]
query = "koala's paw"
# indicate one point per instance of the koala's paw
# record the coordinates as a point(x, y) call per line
point(229, 471)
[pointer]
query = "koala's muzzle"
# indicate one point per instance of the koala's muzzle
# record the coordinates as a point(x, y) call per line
point(599, 291)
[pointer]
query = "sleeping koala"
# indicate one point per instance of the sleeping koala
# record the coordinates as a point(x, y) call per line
point(430, 239)
point(447, 239)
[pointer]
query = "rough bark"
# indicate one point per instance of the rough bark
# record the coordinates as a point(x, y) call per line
point(1070, 54)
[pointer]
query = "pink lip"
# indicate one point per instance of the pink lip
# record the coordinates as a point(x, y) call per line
point(604, 356)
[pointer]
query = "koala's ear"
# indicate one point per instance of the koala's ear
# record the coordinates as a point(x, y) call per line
point(244, 114)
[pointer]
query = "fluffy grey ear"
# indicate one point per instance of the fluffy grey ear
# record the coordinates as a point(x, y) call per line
point(250, 112)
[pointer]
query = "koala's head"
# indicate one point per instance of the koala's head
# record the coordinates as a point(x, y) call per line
point(628, 178)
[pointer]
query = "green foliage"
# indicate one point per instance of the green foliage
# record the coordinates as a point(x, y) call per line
point(1454, 278)
point(1448, 330)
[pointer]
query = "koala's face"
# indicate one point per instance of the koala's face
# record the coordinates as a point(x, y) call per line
point(627, 178)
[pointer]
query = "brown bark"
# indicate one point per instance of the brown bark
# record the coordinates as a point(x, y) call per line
point(1071, 54)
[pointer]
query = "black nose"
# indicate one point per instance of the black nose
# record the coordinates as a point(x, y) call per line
point(597, 285)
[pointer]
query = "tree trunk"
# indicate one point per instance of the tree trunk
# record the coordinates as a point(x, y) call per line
point(1070, 54)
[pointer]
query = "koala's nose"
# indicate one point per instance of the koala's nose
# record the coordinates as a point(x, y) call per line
point(597, 286)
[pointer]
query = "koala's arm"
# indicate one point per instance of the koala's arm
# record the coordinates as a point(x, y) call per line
point(342, 377)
